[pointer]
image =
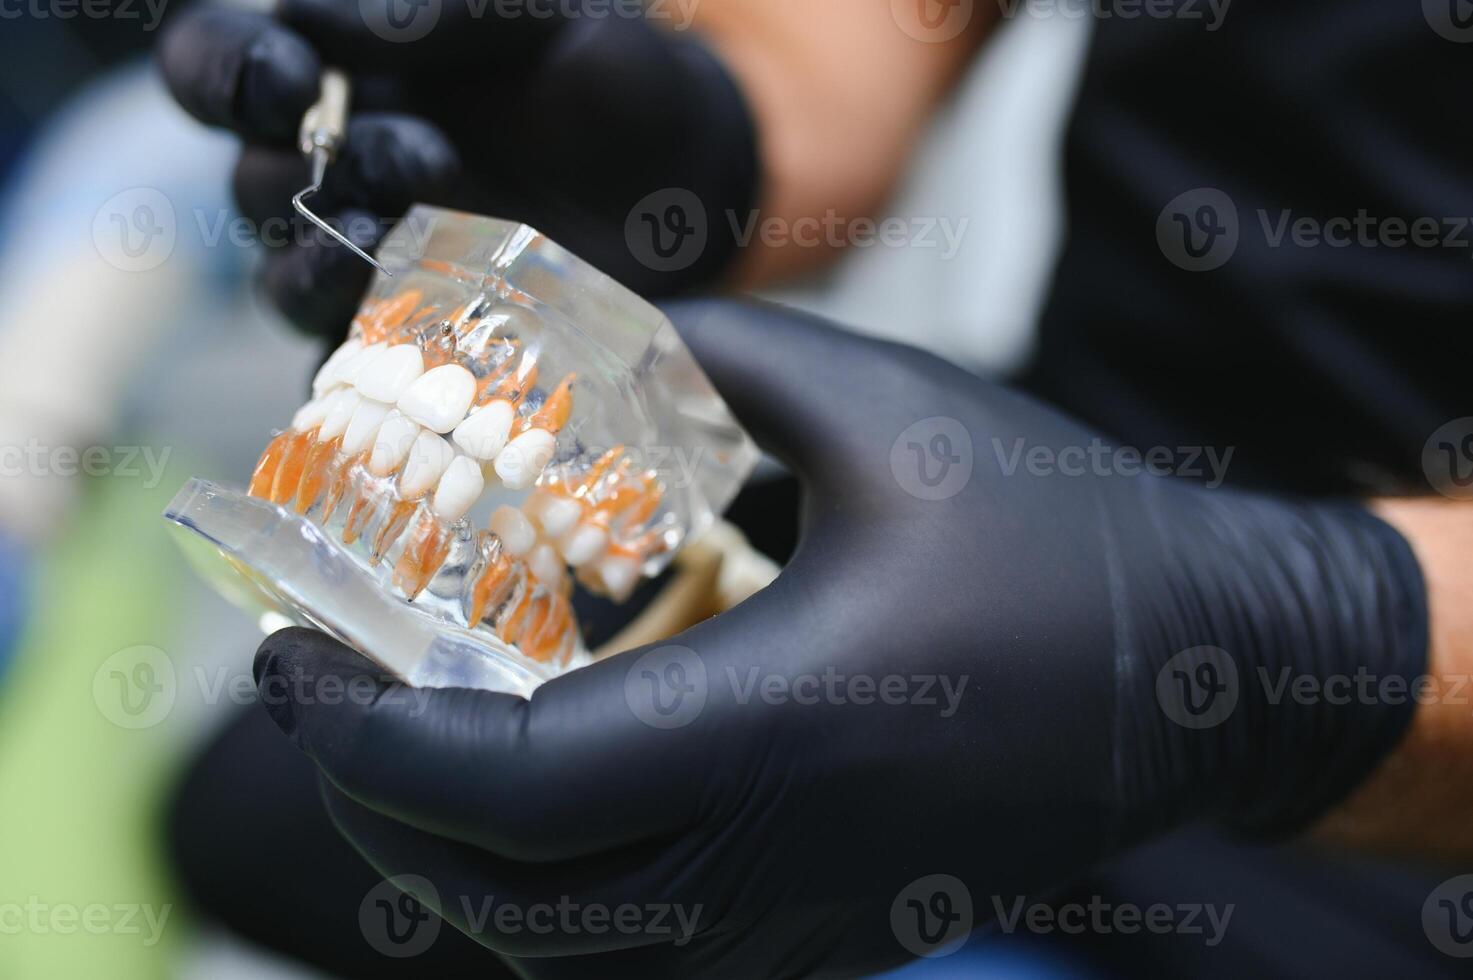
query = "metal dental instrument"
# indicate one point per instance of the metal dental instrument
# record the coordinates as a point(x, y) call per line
point(324, 127)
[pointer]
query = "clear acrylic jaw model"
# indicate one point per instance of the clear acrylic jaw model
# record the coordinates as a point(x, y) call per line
point(503, 420)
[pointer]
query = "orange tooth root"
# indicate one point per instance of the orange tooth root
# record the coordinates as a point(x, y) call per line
point(358, 515)
point(644, 508)
point(384, 318)
point(509, 627)
point(489, 590)
point(317, 472)
point(553, 413)
point(511, 386)
point(425, 553)
point(589, 477)
point(547, 637)
point(289, 471)
point(338, 485)
point(394, 523)
point(264, 475)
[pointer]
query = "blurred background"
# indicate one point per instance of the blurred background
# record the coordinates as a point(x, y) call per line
point(133, 355)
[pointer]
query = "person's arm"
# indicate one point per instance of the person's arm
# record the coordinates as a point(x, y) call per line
point(1417, 801)
point(840, 92)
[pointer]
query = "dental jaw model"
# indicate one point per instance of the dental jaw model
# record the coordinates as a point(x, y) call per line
point(502, 422)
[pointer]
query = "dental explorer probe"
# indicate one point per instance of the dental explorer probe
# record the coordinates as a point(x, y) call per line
point(324, 127)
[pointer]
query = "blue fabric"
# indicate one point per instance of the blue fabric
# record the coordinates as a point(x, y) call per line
point(14, 580)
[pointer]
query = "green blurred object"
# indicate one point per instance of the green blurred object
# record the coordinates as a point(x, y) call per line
point(88, 740)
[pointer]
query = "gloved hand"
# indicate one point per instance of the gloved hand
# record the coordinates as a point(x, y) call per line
point(531, 110)
point(984, 672)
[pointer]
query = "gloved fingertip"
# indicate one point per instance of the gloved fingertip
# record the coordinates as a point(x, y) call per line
point(317, 284)
point(240, 70)
point(279, 79)
point(391, 161)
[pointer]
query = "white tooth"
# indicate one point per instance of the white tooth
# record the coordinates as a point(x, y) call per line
point(544, 564)
point(618, 575)
point(353, 366)
point(525, 457)
point(440, 397)
point(363, 426)
point(342, 403)
point(583, 544)
point(559, 514)
point(484, 431)
point(327, 375)
point(389, 374)
point(459, 488)
point(428, 458)
point(392, 443)
point(310, 415)
point(516, 532)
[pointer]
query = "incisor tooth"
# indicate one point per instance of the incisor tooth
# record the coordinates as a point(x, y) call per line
point(544, 564)
point(440, 397)
point(392, 443)
point(310, 415)
point(327, 375)
point(353, 366)
point(618, 575)
point(516, 532)
point(389, 374)
point(342, 403)
point(459, 488)
point(484, 432)
point(584, 543)
point(525, 457)
point(559, 514)
point(428, 458)
point(363, 426)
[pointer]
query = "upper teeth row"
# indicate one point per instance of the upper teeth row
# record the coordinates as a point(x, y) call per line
point(382, 397)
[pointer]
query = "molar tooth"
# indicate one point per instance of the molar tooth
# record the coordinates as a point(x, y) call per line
point(428, 459)
point(389, 374)
point(364, 425)
point(392, 444)
point(440, 397)
point(524, 458)
point(484, 432)
point(516, 532)
point(327, 375)
point(353, 367)
point(459, 489)
point(341, 405)
point(310, 415)
point(583, 544)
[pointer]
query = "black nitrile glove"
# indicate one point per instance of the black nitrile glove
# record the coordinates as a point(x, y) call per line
point(977, 664)
point(590, 125)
